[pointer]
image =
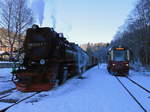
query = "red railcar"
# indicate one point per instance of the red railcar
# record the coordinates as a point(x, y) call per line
point(118, 60)
point(48, 60)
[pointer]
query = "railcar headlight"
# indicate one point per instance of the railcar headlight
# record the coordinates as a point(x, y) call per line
point(42, 61)
point(126, 64)
point(21, 61)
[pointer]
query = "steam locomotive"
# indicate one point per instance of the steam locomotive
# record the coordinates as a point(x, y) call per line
point(118, 60)
point(48, 59)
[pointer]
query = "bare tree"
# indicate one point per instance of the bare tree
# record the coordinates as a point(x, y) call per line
point(136, 33)
point(15, 18)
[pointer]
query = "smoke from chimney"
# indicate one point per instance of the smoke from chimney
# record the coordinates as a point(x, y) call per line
point(53, 18)
point(53, 13)
point(38, 7)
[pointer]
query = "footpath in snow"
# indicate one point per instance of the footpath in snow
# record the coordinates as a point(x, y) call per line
point(98, 92)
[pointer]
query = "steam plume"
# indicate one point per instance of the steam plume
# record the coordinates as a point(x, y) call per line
point(53, 18)
point(53, 13)
point(38, 7)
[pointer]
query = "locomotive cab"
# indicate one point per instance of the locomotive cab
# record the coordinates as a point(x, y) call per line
point(118, 60)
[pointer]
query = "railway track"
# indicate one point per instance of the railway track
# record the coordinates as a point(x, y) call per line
point(7, 91)
point(19, 101)
point(6, 97)
point(133, 81)
point(131, 94)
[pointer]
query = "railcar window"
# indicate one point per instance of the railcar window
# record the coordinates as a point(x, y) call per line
point(120, 55)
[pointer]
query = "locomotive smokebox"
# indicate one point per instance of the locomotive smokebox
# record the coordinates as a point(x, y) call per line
point(38, 43)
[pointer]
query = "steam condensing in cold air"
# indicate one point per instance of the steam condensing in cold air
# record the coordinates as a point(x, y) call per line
point(53, 18)
point(38, 7)
point(52, 3)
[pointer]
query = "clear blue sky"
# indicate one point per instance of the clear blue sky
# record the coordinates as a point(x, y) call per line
point(87, 20)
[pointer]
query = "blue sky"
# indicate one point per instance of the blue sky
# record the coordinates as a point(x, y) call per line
point(84, 21)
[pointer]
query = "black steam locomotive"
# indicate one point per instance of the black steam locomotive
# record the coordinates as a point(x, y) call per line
point(48, 59)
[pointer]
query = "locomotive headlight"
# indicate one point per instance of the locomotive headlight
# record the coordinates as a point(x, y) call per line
point(42, 61)
point(126, 64)
point(21, 61)
point(113, 64)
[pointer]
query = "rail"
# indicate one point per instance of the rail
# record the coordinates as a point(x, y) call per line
point(134, 98)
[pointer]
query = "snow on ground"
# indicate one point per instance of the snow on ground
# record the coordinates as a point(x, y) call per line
point(6, 62)
point(1, 52)
point(143, 78)
point(141, 95)
point(5, 83)
point(5, 79)
point(98, 92)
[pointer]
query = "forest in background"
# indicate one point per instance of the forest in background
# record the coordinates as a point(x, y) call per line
point(135, 32)
point(98, 50)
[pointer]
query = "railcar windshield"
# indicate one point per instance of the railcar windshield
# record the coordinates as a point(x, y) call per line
point(120, 55)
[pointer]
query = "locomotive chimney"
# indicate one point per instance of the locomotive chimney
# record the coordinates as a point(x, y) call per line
point(34, 26)
point(61, 35)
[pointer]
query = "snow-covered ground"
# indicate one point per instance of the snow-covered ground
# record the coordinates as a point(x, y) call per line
point(141, 95)
point(5, 62)
point(98, 92)
point(5, 79)
point(142, 78)
point(1, 52)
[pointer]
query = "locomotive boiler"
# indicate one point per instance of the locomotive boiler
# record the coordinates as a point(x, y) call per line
point(48, 60)
point(118, 60)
